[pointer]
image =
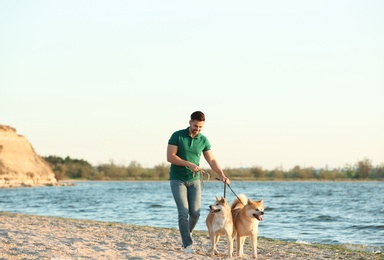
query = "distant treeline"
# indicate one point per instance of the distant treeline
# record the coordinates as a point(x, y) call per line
point(69, 168)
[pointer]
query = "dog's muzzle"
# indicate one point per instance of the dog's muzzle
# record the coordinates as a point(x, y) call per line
point(259, 217)
point(213, 210)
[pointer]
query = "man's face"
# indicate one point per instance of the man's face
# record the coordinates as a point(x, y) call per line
point(195, 126)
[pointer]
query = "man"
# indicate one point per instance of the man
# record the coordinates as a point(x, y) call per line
point(184, 150)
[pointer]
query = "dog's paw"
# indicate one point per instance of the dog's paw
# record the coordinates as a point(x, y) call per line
point(212, 252)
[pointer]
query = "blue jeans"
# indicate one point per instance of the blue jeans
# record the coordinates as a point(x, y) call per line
point(187, 196)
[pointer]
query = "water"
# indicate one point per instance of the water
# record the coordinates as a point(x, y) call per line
point(310, 212)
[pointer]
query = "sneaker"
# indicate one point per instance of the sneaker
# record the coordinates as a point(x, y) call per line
point(189, 250)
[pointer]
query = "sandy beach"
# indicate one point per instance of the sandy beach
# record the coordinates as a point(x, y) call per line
point(37, 237)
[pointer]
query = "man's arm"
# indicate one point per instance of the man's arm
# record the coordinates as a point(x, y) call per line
point(214, 164)
point(176, 160)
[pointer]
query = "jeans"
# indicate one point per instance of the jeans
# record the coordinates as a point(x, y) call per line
point(187, 196)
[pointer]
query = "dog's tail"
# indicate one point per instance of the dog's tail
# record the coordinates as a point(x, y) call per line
point(241, 199)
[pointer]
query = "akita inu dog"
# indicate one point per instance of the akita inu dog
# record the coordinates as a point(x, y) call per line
point(219, 223)
point(246, 217)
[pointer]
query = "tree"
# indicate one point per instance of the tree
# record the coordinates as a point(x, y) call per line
point(377, 172)
point(363, 168)
point(60, 171)
point(258, 172)
point(350, 171)
point(161, 171)
point(277, 173)
point(134, 169)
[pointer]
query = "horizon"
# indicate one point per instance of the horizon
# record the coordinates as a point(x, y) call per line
point(345, 167)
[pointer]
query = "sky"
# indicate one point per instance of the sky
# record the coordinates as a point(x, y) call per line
point(282, 83)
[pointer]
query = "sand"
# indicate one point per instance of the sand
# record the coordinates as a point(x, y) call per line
point(38, 237)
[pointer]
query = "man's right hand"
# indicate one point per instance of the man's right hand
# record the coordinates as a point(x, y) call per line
point(194, 167)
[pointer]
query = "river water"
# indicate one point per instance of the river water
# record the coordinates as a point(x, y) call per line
point(349, 213)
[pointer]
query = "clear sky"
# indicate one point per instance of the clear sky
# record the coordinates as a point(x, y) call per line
point(282, 83)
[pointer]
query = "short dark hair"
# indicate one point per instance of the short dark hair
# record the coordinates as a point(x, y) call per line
point(198, 115)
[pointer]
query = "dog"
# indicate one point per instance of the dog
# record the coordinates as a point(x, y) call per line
point(246, 216)
point(219, 223)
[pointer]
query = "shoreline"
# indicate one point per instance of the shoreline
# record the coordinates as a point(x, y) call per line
point(73, 182)
point(24, 236)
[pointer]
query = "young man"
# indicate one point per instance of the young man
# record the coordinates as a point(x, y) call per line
point(184, 150)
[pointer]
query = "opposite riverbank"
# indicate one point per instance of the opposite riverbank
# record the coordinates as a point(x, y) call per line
point(38, 237)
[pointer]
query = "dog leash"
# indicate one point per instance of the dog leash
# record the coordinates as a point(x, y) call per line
point(225, 186)
point(202, 172)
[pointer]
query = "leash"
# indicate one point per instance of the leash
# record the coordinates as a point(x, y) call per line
point(202, 172)
point(225, 186)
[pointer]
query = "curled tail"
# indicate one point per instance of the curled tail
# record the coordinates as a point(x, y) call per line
point(236, 201)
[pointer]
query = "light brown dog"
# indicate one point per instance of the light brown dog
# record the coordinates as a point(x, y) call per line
point(219, 223)
point(246, 217)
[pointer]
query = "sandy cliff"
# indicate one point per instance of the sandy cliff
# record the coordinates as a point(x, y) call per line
point(19, 164)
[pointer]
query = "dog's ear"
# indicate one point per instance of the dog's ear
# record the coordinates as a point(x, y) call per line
point(249, 201)
point(217, 198)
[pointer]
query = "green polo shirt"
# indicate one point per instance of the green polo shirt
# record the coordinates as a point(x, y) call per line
point(188, 149)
